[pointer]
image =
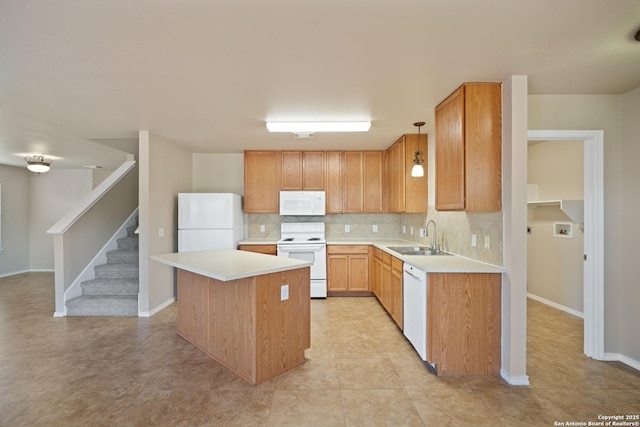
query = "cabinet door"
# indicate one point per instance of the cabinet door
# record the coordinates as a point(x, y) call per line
point(395, 176)
point(353, 178)
point(338, 273)
point(261, 181)
point(396, 290)
point(415, 187)
point(483, 146)
point(313, 170)
point(372, 184)
point(449, 152)
point(386, 289)
point(291, 170)
point(358, 272)
point(334, 181)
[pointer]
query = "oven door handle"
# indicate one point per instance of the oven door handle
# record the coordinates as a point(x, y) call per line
point(298, 248)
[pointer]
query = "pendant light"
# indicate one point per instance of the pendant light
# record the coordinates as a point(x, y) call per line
point(417, 170)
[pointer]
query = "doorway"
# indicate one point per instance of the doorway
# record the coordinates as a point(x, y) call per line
point(594, 231)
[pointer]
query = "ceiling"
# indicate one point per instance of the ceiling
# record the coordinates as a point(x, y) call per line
point(80, 77)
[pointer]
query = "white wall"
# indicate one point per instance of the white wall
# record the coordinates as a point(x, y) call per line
point(630, 228)
point(51, 195)
point(14, 244)
point(555, 264)
point(595, 112)
point(165, 170)
point(218, 173)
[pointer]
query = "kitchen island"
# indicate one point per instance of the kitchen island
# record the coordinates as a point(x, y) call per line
point(248, 311)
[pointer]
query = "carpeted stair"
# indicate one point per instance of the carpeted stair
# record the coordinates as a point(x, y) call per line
point(114, 291)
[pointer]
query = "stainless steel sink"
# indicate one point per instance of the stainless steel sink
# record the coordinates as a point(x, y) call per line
point(416, 250)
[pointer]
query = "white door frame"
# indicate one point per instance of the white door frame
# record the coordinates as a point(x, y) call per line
point(594, 237)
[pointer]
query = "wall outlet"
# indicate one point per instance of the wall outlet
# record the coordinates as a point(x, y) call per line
point(423, 232)
point(284, 292)
point(161, 232)
point(262, 228)
point(487, 242)
point(347, 228)
point(404, 229)
point(411, 231)
point(474, 240)
point(375, 228)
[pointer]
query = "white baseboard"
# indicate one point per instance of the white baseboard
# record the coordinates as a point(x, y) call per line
point(523, 380)
point(156, 309)
point(58, 314)
point(556, 305)
point(617, 357)
point(14, 273)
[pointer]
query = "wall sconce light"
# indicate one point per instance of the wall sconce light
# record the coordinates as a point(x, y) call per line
point(417, 170)
point(38, 163)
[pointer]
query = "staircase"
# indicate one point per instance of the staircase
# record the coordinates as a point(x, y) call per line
point(114, 291)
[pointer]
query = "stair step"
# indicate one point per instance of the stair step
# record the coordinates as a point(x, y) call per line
point(117, 271)
point(106, 287)
point(120, 256)
point(130, 242)
point(91, 305)
point(131, 231)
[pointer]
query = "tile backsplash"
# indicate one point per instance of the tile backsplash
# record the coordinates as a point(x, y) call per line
point(455, 229)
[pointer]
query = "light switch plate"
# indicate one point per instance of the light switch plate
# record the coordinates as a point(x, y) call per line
point(474, 240)
point(487, 242)
point(375, 228)
point(347, 228)
point(284, 292)
point(262, 228)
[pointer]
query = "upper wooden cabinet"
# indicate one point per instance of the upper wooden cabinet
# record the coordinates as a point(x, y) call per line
point(334, 181)
point(406, 193)
point(363, 181)
point(261, 181)
point(468, 149)
point(302, 170)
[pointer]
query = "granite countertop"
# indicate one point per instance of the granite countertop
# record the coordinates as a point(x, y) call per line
point(229, 264)
point(432, 264)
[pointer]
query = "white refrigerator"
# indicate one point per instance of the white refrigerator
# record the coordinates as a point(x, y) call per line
point(209, 221)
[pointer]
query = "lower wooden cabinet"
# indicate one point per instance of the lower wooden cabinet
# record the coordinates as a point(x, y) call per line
point(263, 249)
point(386, 283)
point(396, 290)
point(463, 323)
point(348, 270)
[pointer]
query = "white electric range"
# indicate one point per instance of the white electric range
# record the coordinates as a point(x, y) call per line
point(306, 241)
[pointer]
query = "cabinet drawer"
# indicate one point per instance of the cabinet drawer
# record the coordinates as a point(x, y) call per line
point(396, 263)
point(263, 249)
point(347, 249)
point(377, 253)
point(386, 258)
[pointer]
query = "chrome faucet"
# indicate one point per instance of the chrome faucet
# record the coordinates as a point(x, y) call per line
point(434, 241)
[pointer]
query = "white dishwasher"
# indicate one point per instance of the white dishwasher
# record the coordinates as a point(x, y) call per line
point(415, 308)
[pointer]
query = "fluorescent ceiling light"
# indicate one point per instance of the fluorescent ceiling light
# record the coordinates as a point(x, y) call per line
point(312, 127)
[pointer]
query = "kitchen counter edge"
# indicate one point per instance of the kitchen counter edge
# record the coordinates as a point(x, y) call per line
point(229, 264)
point(431, 264)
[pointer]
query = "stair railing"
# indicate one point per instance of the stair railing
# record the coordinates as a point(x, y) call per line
point(80, 234)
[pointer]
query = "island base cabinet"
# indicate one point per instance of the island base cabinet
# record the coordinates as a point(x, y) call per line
point(244, 324)
point(463, 326)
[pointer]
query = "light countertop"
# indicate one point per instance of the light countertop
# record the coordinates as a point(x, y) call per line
point(431, 264)
point(229, 264)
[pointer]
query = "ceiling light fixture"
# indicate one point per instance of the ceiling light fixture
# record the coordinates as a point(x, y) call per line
point(313, 127)
point(38, 164)
point(417, 170)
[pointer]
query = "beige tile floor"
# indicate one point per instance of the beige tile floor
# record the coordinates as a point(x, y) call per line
point(360, 371)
